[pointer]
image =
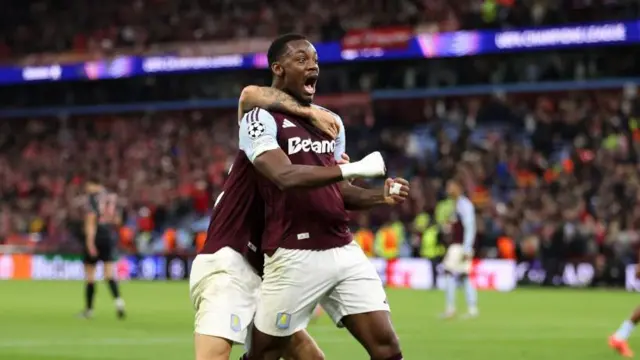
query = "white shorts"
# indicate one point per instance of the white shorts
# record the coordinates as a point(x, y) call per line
point(224, 290)
point(342, 280)
point(454, 261)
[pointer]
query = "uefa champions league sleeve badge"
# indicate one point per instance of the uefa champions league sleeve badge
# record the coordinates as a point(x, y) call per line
point(255, 129)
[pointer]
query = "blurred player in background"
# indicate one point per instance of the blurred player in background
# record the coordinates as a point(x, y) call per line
point(317, 313)
point(618, 341)
point(224, 280)
point(100, 225)
point(459, 255)
point(311, 256)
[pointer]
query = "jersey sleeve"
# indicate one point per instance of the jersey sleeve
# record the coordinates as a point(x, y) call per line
point(341, 140)
point(258, 133)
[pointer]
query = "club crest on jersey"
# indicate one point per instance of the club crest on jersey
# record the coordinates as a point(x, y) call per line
point(296, 144)
point(235, 324)
point(283, 320)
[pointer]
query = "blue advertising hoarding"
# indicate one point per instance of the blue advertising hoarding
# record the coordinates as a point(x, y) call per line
point(437, 45)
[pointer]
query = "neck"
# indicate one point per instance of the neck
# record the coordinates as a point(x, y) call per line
point(278, 84)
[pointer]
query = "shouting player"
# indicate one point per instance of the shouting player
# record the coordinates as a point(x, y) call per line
point(311, 257)
point(101, 219)
point(457, 260)
point(224, 280)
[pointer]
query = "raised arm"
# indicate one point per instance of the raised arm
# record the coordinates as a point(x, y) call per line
point(358, 198)
point(273, 99)
point(258, 139)
point(394, 192)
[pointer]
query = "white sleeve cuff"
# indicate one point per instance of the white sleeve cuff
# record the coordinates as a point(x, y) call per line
point(262, 148)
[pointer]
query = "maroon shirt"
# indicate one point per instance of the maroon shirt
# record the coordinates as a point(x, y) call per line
point(238, 216)
point(310, 219)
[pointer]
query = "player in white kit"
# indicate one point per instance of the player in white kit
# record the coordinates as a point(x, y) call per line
point(458, 259)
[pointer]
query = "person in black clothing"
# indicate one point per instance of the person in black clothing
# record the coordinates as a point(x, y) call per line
point(552, 249)
point(100, 221)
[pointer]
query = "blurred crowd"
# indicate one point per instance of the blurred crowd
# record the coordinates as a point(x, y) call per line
point(93, 26)
point(165, 167)
point(555, 174)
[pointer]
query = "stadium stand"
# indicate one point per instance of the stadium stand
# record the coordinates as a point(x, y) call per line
point(534, 165)
point(554, 174)
point(45, 26)
point(531, 106)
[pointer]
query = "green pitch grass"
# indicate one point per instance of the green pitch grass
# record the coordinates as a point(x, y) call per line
point(37, 323)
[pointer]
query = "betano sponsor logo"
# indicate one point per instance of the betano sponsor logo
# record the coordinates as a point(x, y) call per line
point(297, 145)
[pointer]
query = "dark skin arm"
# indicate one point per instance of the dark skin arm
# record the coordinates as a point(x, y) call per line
point(276, 166)
point(273, 99)
point(270, 99)
point(357, 198)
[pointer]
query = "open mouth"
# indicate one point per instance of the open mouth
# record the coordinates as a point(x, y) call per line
point(310, 84)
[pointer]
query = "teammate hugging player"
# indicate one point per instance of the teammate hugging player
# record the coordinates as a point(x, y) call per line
point(102, 217)
point(224, 279)
point(311, 257)
point(457, 260)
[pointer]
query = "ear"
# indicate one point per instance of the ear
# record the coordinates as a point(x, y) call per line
point(277, 69)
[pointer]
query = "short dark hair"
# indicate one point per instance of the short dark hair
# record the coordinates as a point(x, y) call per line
point(279, 45)
point(93, 179)
point(456, 180)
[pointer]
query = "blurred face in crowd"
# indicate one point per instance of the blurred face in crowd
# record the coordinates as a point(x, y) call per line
point(298, 69)
point(453, 189)
point(91, 187)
